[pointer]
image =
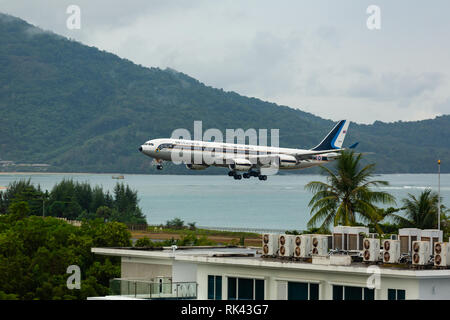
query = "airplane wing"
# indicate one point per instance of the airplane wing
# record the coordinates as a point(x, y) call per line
point(267, 159)
point(264, 160)
point(307, 154)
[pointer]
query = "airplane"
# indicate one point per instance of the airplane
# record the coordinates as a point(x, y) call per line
point(249, 159)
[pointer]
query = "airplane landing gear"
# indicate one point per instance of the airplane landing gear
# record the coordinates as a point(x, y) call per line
point(158, 163)
point(247, 175)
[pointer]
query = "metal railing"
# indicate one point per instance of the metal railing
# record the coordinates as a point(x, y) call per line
point(236, 229)
point(244, 229)
point(161, 289)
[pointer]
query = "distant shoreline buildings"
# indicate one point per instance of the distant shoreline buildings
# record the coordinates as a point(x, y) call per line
point(9, 164)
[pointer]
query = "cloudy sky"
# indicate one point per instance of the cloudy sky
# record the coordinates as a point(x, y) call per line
point(318, 56)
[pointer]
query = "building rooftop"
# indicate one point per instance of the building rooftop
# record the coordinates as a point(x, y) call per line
point(250, 257)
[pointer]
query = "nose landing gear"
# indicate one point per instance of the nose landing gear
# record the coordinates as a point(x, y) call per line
point(158, 163)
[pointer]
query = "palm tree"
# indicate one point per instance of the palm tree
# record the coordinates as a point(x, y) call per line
point(422, 212)
point(388, 221)
point(347, 195)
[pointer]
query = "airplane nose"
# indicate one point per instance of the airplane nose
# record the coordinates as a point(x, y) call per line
point(140, 149)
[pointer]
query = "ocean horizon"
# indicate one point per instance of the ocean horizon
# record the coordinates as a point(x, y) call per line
point(281, 202)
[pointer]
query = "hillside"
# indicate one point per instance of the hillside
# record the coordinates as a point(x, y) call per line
point(82, 109)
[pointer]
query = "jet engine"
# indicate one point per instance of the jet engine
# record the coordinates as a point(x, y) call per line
point(287, 161)
point(196, 166)
point(241, 165)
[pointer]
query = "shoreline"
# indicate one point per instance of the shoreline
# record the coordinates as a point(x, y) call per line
point(4, 173)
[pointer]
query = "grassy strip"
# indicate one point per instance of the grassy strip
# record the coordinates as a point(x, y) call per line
point(205, 232)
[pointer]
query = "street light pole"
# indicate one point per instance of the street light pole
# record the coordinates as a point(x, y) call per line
point(439, 194)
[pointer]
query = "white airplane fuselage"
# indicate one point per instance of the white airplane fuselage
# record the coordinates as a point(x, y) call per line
point(226, 151)
point(250, 159)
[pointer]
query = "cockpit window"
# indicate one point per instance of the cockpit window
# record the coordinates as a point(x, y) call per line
point(148, 144)
point(165, 145)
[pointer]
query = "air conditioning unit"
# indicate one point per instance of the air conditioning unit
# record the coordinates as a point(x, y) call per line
point(285, 245)
point(420, 252)
point(348, 238)
point(319, 244)
point(407, 236)
point(269, 244)
point(371, 249)
point(302, 246)
point(391, 251)
point(442, 254)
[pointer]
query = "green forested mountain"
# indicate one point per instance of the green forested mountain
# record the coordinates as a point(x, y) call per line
point(82, 109)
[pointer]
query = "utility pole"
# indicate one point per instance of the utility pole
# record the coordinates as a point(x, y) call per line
point(44, 197)
point(439, 194)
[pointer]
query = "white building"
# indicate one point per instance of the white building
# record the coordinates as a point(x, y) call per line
point(241, 273)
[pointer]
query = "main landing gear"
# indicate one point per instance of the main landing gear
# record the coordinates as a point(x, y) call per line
point(262, 177)
point(247, 175)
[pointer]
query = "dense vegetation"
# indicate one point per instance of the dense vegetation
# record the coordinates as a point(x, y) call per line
point(348, 198)
point(188, 238)
point(35, 253)
point(82, 109)
point(348, 193)
point(74, 201)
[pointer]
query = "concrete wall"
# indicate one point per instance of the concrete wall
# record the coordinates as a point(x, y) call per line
point(277, 277)
point(184, 272)
point(145, 269)
point(275, 280)
point(433, 289)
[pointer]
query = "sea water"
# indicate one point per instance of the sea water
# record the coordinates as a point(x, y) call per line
point(281, 202)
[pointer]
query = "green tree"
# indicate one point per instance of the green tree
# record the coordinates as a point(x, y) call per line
point(175, 223)
point(23, 190)
point(75, 201)
point(19, 209)
point(192, 226)
point(111, 234)
point(422, 212)
point(388, 220)
point(144, 242)
point(103, 212)
point(347, 196)
point(126, 207)
point(36, 252)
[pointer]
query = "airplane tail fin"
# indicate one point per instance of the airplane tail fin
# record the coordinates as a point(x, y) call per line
point(335, 138)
